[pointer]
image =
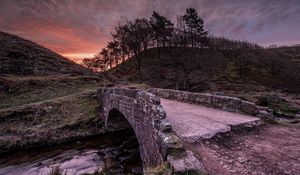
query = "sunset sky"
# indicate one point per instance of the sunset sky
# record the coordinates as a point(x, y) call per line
point(80, 28)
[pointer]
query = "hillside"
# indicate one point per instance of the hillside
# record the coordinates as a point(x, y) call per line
point(44, 97)
point(23, 57)
point(31, 73)
point(252, 74)
point(276, 69)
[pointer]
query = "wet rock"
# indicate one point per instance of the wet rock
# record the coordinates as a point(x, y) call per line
point(82, 164)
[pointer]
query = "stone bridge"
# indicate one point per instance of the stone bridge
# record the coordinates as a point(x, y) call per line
point(161, 149)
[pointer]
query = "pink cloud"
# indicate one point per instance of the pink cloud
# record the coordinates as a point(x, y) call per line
point(83, 26)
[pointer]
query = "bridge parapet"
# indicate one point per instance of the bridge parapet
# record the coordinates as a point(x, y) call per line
point(159, 146)
point(230, 104)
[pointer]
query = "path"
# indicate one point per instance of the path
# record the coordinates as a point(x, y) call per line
point(192, 122)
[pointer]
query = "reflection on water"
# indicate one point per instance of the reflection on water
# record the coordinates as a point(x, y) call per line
point(115, 153)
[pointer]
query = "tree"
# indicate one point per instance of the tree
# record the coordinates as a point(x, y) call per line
point(161, 29)
point(114, 50)
point(121, 35)
point(139, 33)
point(161, 33)
point(194, 25)
point(96, 63)
point(106, 58)
point(131, 38)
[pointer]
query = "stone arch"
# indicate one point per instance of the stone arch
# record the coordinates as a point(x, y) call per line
point(117, 119)
point(149, 147)
point(158, 144)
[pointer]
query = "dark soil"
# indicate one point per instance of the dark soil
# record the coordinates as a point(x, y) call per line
point(269, 150)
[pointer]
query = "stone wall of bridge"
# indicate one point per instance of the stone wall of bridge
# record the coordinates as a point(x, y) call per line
point(230, 104)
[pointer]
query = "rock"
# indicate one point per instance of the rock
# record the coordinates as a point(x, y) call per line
point(226, 103)
point(172, 145)
point(183, 96)
point(161, 112)
point(166, 127)
point(219, 93)
point(273, 98)
point(204, 98)
point(242, 159)
point(249, 108)
point(189, 163)
point(172, 141)
point(266, 116)
point(48, 109)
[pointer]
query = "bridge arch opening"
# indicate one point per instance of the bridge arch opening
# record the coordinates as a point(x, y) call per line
point(132, 163)
point(117, 120)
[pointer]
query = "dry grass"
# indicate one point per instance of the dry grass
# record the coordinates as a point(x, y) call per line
point(23, 57)
point(15, 91)
point(52, 120)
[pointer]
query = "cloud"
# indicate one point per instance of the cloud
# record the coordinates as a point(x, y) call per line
point(84, 26)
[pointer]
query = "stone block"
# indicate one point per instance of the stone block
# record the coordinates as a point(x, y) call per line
point(204, 99)
point(187, 164)
point(249, 108)
point(266, 116)
point(161, 112)
point(181, 96)
point(172, 144)
point(226, 103)
point(192, 97)
point(166, 127)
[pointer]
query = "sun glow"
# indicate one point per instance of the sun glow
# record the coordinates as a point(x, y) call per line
point(78, 57)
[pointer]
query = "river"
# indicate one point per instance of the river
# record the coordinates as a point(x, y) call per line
point(112, 153)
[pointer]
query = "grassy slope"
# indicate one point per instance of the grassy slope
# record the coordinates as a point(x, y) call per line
point(43, 96)
point(217, 68)
point(51, 120)
point(37, 110)
point(23, 57)
point(17, 91)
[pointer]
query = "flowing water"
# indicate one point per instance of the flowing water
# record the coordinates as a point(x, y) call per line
point(114, 153)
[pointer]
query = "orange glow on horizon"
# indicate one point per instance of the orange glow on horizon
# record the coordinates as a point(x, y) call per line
point(78, 57)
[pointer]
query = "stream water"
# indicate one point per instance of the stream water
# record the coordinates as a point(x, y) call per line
point(113, 153)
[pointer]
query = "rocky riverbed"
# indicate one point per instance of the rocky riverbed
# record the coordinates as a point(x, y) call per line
point(114, 153)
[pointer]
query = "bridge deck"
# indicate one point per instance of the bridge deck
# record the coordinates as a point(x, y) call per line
point(193, 122)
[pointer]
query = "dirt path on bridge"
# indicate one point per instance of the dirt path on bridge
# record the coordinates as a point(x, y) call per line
point(193, 122)
point(270, 150)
